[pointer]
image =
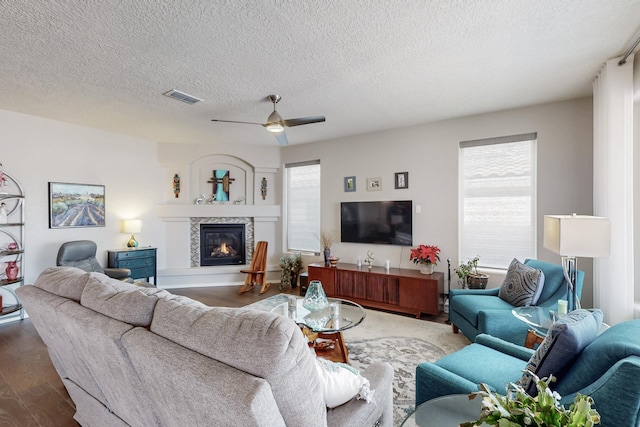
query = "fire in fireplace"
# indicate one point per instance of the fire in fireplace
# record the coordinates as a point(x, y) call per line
point(222, 244)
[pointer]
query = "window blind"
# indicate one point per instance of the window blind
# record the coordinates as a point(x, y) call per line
point(303, 206)
point(498, 199)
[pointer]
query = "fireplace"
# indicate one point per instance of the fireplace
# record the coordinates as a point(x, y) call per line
point(222, 244)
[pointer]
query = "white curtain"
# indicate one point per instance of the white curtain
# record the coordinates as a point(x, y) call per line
point(613, 188)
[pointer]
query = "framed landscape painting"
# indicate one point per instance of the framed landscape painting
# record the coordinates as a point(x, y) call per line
point(76, 205)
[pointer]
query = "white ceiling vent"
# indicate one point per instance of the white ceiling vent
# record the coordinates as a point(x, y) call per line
point(181, 96)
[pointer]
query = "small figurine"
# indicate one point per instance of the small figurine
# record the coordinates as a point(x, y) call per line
point(369, 259)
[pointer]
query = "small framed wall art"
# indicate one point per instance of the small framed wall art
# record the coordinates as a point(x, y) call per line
point(76, 205)
point(374, 184)
point(402, 180)
point(349, 184)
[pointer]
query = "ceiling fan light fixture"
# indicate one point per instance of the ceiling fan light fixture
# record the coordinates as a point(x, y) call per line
point(274, 127)
point(274, 122)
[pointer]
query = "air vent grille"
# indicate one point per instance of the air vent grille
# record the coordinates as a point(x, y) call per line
point(181, 96)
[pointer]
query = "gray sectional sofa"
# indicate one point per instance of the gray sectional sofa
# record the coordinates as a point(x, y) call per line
point(144, 357)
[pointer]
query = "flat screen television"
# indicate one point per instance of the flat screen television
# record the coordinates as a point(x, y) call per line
point(385, 222)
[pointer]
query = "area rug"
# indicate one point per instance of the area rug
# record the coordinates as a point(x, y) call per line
point(402, 341)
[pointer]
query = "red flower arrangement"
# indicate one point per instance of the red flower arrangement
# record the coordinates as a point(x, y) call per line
point(425, 254)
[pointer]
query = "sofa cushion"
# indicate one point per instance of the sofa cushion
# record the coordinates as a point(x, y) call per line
point(469, 305)
point(117, 299)
point(190, 389)
point(566, 338)
point(553, 278)
point(522, 284)
point(279, 352)
point(67, 282)
point(340, 383)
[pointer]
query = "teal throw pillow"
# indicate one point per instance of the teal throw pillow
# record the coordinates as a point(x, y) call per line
point(522, 285)
point(566, 339)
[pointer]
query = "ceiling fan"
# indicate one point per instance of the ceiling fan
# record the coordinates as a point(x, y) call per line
point(276, 124)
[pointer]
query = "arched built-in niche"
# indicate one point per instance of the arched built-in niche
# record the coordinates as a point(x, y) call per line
point(241, 173)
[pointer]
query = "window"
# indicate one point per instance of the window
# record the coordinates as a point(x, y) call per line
point(302, 195)
point(497, 199)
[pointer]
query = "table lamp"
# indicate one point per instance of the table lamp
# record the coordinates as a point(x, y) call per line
point(574, 236)
point(132, 226)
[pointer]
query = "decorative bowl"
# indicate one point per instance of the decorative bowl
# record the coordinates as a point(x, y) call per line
point(334, 260)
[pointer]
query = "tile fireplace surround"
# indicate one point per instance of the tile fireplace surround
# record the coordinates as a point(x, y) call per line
point(195, 235)
point(182, 254)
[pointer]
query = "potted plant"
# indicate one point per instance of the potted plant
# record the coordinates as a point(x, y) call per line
point(326, 240)
point(469, 275)
point(518, 408)
point(427, 256)
point(291, 264)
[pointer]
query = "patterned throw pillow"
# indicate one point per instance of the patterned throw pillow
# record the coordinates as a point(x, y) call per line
point(522, 285)
point(565, 340)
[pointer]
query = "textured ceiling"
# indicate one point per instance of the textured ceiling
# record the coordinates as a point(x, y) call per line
point(366, 65)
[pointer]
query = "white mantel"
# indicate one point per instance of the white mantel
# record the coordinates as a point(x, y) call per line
point(218, 210)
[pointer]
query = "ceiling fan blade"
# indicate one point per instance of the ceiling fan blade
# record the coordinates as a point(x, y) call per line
point(303, 121)
point(282, 138)
point(234, 121)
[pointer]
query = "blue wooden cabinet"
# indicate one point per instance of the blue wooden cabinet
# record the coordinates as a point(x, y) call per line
point(141, 262)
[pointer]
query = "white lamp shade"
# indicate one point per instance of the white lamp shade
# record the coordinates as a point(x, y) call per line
point(577, 235)
point(132, 226)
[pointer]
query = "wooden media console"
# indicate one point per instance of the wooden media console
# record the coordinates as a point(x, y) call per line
point(398, 289)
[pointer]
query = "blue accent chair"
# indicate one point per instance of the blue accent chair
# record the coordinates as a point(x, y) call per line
point(607, 369)
point(481, 311)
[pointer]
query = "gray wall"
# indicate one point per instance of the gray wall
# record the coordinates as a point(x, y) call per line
point(429, 152)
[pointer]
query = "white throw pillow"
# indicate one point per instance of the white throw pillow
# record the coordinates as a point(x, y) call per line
point(341, 383)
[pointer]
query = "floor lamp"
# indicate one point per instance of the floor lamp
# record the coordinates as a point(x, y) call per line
point(573, 236)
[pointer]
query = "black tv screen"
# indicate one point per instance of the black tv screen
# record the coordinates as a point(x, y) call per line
point(377, 222)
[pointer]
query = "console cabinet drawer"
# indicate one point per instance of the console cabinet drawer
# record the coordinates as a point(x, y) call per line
point(141, 262)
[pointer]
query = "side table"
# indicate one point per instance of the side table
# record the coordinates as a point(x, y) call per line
point(141, 261)
point(540, 320)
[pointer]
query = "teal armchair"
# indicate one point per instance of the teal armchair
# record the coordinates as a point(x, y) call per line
point(481, 311)
point(607, 369)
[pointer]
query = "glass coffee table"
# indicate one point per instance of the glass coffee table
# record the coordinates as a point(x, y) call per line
point(445, 411)
point(325, 325)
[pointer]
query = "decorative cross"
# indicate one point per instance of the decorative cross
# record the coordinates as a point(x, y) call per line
point(225, 181)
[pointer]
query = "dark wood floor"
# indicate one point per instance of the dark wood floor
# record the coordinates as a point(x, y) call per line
point(32, 394)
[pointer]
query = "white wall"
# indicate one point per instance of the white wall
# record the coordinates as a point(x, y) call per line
point(37, 151)
point(429, 152)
